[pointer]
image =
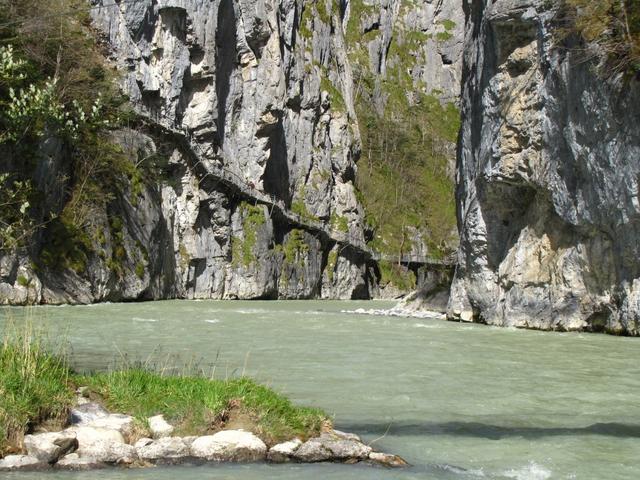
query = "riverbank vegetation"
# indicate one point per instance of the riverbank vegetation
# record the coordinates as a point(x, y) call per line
point(59, 102)
point(38, 387)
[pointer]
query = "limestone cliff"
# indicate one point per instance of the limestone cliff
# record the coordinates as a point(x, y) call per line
point(548, 178)
point(246, 115)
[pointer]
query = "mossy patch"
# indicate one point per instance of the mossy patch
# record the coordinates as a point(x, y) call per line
point(243, 248)
point(332, 261)
point(295, 248)
point(339, 223)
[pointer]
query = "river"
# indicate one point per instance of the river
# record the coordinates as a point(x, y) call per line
point(457, 401)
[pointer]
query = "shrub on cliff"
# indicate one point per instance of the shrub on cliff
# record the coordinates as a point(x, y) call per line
point(56, 89)
point(612, 26)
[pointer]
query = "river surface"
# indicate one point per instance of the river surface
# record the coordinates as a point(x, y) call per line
point(458, 401)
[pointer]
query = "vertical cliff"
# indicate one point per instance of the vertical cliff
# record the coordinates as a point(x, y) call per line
point(548, 176)
point(406, 59)
point(237, 171)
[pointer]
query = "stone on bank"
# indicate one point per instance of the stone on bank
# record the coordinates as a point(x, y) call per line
point(96, 438)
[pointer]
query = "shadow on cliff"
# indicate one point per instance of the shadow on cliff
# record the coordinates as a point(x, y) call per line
point(491, 432)
point(226, 60)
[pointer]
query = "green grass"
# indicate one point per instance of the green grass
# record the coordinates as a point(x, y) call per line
point(34, 385)
point(37, 387)
point(199, 405)
point(295, 247)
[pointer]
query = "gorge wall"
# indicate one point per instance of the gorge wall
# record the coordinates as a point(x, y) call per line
point(548, 178)
point(246, 109)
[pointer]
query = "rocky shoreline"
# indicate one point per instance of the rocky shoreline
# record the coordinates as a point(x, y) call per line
point(95, 438)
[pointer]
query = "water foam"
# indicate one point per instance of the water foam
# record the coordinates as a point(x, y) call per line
point(138, 319)
point(532, 471)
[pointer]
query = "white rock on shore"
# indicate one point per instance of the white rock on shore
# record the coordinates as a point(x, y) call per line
point(283, 452)
point(332, 446)
point(159, 427)
point(230, 446)
point(97, 440)
point(19, 462)
point(48, 447)
point(166, 448)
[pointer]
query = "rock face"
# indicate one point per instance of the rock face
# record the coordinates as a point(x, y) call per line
point(548, 179)
point(249, 138)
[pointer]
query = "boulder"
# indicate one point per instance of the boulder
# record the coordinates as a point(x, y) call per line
point(168, 449)
point(283, 452)
point(229, 446)
point(159, 427)
point(88, 435)
point(73, 461)
point(387, 460)
point(49, 447)
point(86, 413)
point(94, 415)
point(332, 446)
point(143, 442)
point(19, 462)
point(109, 452)
point(101, 445)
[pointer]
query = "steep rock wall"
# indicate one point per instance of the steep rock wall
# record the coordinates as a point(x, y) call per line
point(246, 112)
point(548, 179)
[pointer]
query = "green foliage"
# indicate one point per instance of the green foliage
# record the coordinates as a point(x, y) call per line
point(15, 222)
point(299, 207)
point(407, 142)
point(444, 36)
point(295, 248)
point(140, 270)
point(33, 384)
point(397, 275)
point(323, 14)
point(448, 24)
point(612, 25)
point(358, 10)
point(402, 174)
point(55, 84)
point(67, 245)
point(195, 404)
point(242, 249)
point(335, 96)
point(339, 223)
point(332, 261)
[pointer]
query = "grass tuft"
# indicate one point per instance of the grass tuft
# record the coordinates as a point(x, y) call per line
point(37, 387)
point(198, 406)
point(34, 385)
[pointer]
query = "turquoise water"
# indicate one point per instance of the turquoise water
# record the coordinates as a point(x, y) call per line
point(457, 401)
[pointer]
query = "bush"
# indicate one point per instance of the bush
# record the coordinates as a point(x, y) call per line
point(54, 84)
point(613, 26)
